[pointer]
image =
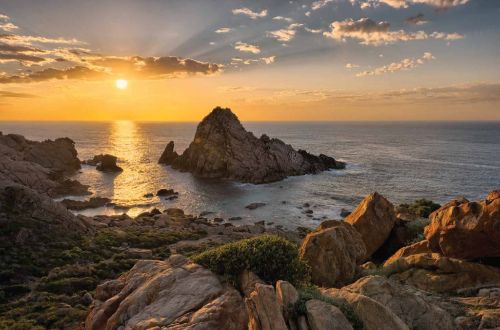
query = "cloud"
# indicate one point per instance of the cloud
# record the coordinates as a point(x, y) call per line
point(403, 65)
point(447, 36)
point(418, 19)
point(247, 48)
point(14, 39)
point(433, 3)
point(285, 35)
point(268, 60)
point(320, 4)
point(281, 18)
point(6, 25)
point(25, 59)
point(135, 67)
point(223, 30)
point(350, 66)
point(315, 31)
point(369, 32)
point(248, 12)
point(7, 94)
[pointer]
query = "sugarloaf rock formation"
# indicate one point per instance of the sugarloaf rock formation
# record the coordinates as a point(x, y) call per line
point(222, 148)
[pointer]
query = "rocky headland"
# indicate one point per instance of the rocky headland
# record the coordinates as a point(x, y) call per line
point(222, 148)
point(417, 266)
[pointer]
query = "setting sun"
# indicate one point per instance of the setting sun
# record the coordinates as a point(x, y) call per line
point(121, 84)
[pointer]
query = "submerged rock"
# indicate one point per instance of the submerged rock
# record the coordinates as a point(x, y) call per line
point(222, 148)
point(466, 230)
point(92, 203)
point(254, 206)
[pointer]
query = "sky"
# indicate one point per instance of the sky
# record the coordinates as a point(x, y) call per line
point(175, 60)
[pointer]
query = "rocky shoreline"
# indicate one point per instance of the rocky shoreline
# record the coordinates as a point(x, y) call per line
point(418, 266)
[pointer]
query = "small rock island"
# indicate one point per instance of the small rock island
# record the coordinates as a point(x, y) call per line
point(222, 148)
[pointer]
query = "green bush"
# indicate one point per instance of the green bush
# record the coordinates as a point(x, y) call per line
point(421, 207)
point(271, 257)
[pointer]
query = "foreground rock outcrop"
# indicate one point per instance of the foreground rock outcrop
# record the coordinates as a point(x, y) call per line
point(174, 294)
point(333, 253)
point(374, 219)
point(466, 230)
point(222, 148)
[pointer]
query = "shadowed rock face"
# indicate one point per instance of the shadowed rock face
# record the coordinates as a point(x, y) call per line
point(222, 148)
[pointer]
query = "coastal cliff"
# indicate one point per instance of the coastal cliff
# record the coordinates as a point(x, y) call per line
point(222, 148)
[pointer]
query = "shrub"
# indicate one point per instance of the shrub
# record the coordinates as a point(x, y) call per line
point(421, 207)
point(271, 257)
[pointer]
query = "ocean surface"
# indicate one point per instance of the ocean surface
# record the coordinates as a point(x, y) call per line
point(403, 161)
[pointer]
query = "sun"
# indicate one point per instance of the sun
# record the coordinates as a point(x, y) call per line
point(121, 84)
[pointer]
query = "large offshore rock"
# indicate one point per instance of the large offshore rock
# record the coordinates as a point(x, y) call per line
point(222, 148)
point(173, 294)
point(374, 219)
point(466, 230)
point(333, 253)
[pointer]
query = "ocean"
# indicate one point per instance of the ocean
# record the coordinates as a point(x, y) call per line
point(403, 161)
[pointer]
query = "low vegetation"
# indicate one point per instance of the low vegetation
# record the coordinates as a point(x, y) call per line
point(47, 282)
point(271, 257)
point(421, 207)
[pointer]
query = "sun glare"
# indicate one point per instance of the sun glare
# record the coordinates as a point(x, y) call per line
point(121, 84)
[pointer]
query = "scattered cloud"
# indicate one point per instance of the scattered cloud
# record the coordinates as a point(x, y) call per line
point(6, 25)
point(14, 39)
point(369, 32)
point(223, 30)
point(418, 19)
point(7, 94)
point(350, 66)
point(268, 60)
point(434, 3)
point(315, 31)
point(320, 4)
point(247, 48)
point(281, 18)
point(249, 13)
point(287, 34)
point(403, 65)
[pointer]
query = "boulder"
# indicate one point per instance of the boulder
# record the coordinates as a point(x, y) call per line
point(92, 203)
point(222, 148)
point(323, 316)
point(107, 163)
point(287, 298)
point(264, 310)
point(174, 294)
point(169, 155)
point(410, 306)
point(247, 281)
point(374, 219)
point(434, 272)
point(371, 313)
point(415, 248)
point(333, 253)
point(466, 230)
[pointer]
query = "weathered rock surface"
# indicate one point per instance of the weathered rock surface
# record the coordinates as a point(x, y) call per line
point(323, 316)
point(415, 248)
point(38, 165)
point(333, 253)
point(174, 294)
point(409, 305)
point(105, 163)
point(374, 219)
point(92, 203)
point(263, 309)
point(434, 272)
point(466, 230)
point(373, 314)
point(222, 148)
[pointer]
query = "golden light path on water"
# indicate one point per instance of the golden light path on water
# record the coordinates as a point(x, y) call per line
point(126, 142)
